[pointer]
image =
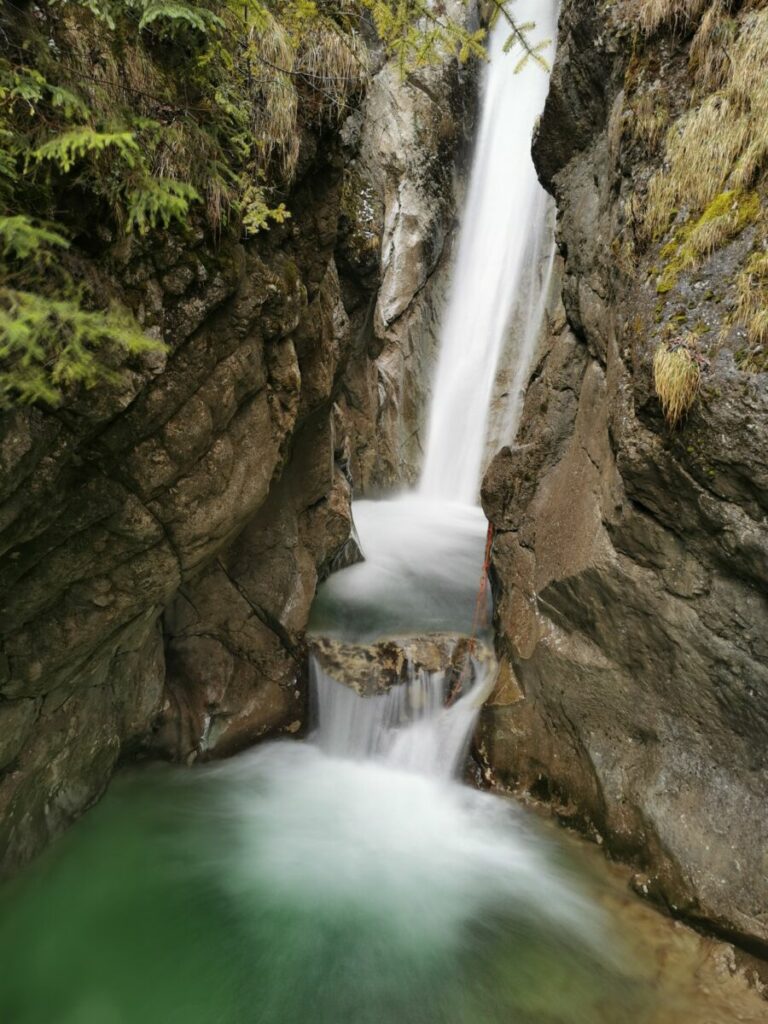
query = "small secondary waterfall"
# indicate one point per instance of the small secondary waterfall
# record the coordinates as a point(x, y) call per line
point(512, 378)
point(409, 727)
point(501, 226)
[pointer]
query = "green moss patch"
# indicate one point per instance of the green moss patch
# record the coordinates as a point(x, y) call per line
point(723, 219)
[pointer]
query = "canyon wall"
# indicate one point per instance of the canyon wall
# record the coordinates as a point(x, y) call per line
point(630, 558)
point(161, 539)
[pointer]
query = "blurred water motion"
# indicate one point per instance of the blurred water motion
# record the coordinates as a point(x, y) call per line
point(344, 880)
point(423, 561)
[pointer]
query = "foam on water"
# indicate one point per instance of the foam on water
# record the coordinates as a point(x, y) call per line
point(368, 816)
point(422, 567)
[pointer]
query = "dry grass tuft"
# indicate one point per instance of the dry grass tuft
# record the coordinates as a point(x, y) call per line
point(276, 105)
point(722, 144)
point(653, 14)
point(291, 74)
point(725, 217)
point(676, 377)
point(650, 119)
point(710, 49)
point(752, 312)
point(329, 65)
point(335, 63)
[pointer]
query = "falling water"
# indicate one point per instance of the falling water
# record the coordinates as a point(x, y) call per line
point(501, 226)
point(352, 878)
point(410, 726)
point(423, 551)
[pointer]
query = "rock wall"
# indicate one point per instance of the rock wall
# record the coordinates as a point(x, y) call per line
point(630, 559)
point(403, 186)
point(161, 540)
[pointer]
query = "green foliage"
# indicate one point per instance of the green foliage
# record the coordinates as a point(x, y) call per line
point(157, 202)
point(171, 15)
point(50, 342)
point(519, 35)
point(139, 115)
point(256, 215)
point(66, 149)
point(21, 238)
point(414, 34)
point(47, 344)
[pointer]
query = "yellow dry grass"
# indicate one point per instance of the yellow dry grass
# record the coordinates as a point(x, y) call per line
point(676, 378)
point(328, 63)
point(652, 14)
point(709, 54)
point(721, 144)
point(318, 71)
point(334, 62)
point(650, 119)
point(752, 308)
point(276, 112)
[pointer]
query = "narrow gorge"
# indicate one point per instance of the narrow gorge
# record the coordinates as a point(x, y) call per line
point(383, 488)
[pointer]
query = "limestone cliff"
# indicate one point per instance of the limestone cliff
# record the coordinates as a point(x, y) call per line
point(631, 557)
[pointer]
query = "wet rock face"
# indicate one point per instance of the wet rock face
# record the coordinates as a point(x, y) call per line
point(220, 471)
point(160, 542)
point(398, 227)
point(630, 560)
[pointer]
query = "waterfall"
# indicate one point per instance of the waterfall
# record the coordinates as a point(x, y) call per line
point(410, 726)
point(513, 377)
point(423, 550)
point(501, 227)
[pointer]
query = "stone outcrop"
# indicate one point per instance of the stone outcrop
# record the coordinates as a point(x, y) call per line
point(630, 559)
point(113, 502)
point(376, 668)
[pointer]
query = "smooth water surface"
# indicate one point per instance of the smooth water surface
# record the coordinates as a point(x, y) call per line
point(421, 574)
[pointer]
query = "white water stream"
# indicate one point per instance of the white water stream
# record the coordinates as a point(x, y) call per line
point(351, 878)
point(423, 550)
point(502, 225)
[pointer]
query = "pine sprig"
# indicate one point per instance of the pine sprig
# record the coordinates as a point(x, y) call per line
point(520, 36)
point(47, 345)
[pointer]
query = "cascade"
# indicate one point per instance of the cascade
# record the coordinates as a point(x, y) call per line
point(502, 224)
point(352, 877)
point(423, 550)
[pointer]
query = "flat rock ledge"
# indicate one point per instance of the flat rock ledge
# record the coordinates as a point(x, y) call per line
point(375, 668)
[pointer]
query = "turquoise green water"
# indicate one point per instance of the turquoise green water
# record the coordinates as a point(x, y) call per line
point(288, 887)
